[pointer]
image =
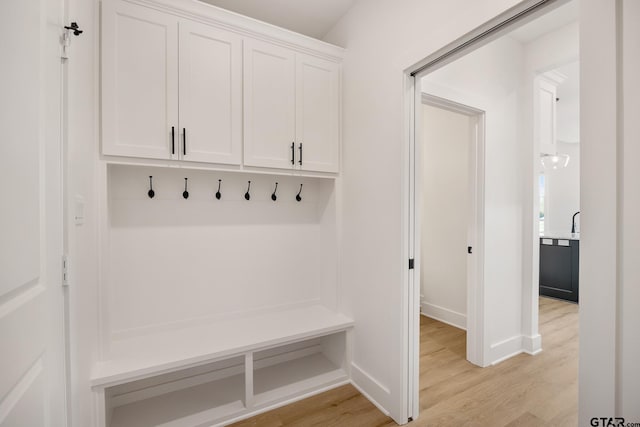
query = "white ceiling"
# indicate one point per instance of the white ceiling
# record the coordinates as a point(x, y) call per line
point(313, 18)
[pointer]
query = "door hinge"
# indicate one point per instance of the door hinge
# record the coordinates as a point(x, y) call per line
point(65, 270)
point(74, 29)
point(411, 263)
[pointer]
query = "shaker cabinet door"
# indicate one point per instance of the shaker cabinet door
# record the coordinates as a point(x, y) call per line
point(269, 105)
point(210, 94)
point(545, 116)
point(317, 114)
point(139, 80)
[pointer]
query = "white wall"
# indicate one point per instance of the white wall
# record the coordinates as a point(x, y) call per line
point(609, 270)
point(383, 38)
point(173, 261)
point(445, 215)
point(563, 193)
point(629, 314)
point(82, 240)
point(491, 79)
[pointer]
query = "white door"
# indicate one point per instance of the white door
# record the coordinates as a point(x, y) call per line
point(32, 374)
point(210, 94)
point(139, 81)
point(317, 114)
point(269, 105)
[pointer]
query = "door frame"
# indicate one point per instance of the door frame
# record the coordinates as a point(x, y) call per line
point(525, 11)
point(475, 323)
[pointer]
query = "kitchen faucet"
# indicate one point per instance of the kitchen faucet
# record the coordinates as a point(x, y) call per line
point(573, 223)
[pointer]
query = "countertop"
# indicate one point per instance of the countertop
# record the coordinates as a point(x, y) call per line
point(564, 236)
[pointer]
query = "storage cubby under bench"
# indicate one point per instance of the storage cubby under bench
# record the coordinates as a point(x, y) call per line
point(217, 373)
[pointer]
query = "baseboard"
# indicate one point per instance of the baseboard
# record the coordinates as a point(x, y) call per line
point(370, 388)
point(506, 349)
point(532, 344)
point(444, 315)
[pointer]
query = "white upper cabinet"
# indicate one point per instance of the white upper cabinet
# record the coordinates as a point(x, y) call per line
point(198, 85)
point(210, 94)
point(171, 88)
point(291, 109)
point(139, 80)
point(544, 126)
point(269, 105)
point(317, 114)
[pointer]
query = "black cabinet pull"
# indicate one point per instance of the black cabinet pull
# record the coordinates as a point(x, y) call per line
point(184, 145)
point(293, 153)
point(300, 159)
point(173, 140)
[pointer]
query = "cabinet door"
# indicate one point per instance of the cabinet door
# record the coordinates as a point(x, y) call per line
point(139, 80)
point(544, 129)
point(269, 105)
point(210, 94)
point(317, 114)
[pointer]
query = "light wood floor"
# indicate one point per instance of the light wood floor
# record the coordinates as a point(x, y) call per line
point(522, 391)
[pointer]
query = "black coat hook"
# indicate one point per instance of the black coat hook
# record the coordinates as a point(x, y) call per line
point(185, 193)
point(273, 196)
point(298, 196)
point(151, 193)
point(247, 196)
point(218, 193)
point(74, 27)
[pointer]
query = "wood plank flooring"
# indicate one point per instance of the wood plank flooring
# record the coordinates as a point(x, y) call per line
point(523, 391)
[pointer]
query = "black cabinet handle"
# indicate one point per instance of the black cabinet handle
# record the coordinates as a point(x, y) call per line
point(300, 159)
point(173, 140)
point(293, 153)
point(184, 145)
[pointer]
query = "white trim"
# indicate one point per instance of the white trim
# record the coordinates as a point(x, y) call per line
point(411, 292)
point(370, 399)
point(532, 344)
point(554, 77)
point(230, 21)
point(444, 315)
point(456, 107)
point(15, 394)
point(376, 392)
point(474, 320)
point(505, 349)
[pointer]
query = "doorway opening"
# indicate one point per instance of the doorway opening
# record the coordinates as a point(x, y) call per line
point(451, 193)
point(497, 70)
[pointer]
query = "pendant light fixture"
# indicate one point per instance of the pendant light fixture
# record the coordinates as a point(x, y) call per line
point(554, 161)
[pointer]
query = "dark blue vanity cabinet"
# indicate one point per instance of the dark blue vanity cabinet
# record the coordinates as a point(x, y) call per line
point(559, 268)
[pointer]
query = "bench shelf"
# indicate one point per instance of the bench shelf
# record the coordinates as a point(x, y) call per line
point(232, 369)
